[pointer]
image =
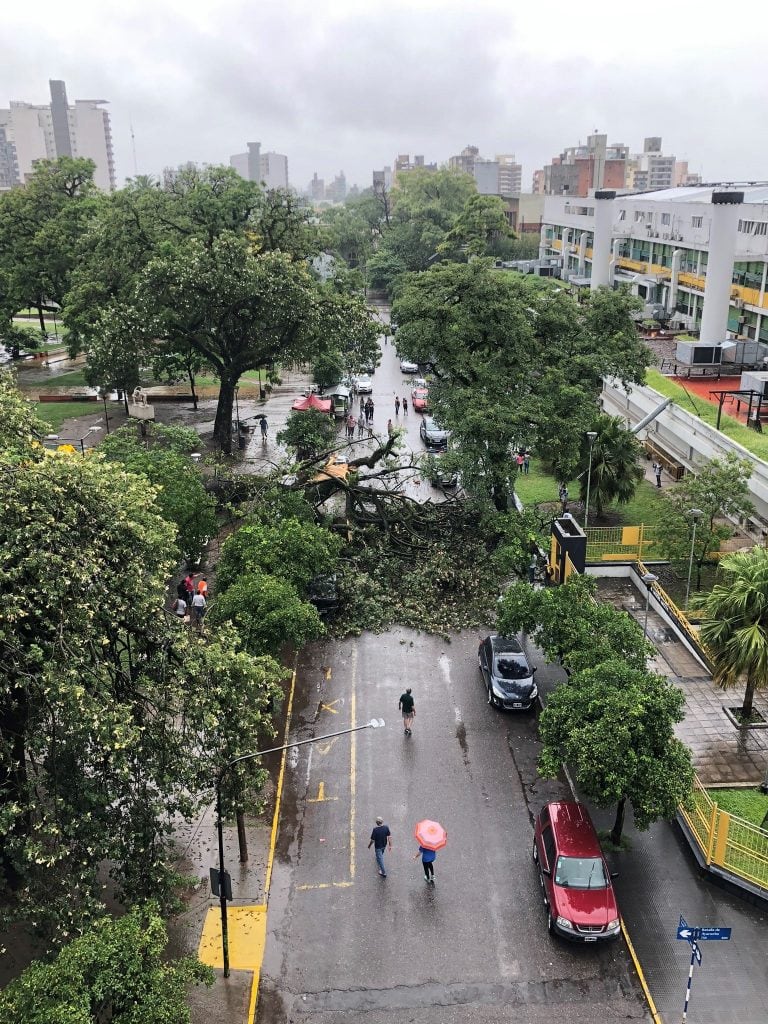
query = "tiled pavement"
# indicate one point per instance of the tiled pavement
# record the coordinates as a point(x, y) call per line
point(722, 753)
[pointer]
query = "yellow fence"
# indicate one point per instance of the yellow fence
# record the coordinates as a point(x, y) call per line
point(618, 543)
point(726, 841)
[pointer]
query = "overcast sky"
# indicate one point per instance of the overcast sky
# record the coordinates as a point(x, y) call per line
point(348, 84)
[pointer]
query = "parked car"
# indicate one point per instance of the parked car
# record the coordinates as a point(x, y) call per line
point(419, 399)
point(420, 382)
point(439, 476)
point(323, 593)
point(507, 673)
point(363, 385)
point(433, 436)
point(408, 367)
point(574, 877)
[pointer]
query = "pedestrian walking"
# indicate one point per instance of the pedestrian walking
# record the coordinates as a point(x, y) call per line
point(202, 587)
point(181, 590)
point(390, 428)
point(381, 840)
point(362, 406)
point(351, 426)
point(563, 495)
point(180, 607)
point(657, 472)
point(427, 862)
point(198, 608)
point(519, 459)
point(264, 429)
point(397, 406)
point(405, 406)
point(370, 410)
point(407, 705)
point(526, 463)
point(360, 424)
point(189, 584)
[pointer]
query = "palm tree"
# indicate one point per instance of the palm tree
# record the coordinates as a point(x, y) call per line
point(735, 624)
point(616, 469)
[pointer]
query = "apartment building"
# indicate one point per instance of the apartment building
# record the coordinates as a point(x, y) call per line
point(269, 168)
point(30, 132)
point(698, 254)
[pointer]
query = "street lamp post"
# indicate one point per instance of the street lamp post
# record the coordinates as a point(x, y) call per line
point(648, 579)
point(375, 723)
point(591, 435)
point(695, 514)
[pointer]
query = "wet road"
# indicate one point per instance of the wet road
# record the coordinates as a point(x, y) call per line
point(346, 945)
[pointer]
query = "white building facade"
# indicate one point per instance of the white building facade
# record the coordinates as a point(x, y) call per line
point(47, 131)
point(679, 249)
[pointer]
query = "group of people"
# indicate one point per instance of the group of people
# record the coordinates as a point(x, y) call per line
point(404, 404)
point(381, 836)
point(523, 460)
point(191, 599)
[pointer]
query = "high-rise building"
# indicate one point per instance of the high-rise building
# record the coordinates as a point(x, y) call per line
point(486, 175)
point(465, 161)
point(582, 168)
point(316, 187)
point(382, 180)
point(337, 190)
point(510, 174)
point(274, 170)
point(46, 131)
point(403, 164)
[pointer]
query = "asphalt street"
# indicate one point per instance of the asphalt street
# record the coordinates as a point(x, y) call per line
point(343, 942)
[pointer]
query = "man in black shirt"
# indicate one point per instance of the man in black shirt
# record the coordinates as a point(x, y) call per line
point(408, 706)
point(381, 838)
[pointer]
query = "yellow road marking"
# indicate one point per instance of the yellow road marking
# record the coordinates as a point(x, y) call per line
point(643, 983)
point(325, 885)
point(330, 707)
point(321, 797)
point(247, 936)
point(324, 748)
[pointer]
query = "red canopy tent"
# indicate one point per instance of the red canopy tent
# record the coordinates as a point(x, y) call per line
point(312, 402)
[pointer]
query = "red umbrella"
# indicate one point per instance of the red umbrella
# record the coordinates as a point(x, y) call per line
point(430, 834)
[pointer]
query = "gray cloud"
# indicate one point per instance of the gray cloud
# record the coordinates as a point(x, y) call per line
point(348, 85)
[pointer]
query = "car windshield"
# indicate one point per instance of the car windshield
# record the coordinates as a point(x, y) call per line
point(509, 668)
point(581, 873)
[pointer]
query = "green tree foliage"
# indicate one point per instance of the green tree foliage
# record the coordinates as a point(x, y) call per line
point(40, 228)
point(517, 364)
point(482, 219)
point(308, 433)
point(615, 461)
point(19, 426)
point(117, 971)
point(735, 624)
point(113, 720)
point(328, 369)
point(163, 458)
point(614, 727)
point(523, 247)
point(571, 627)
point(720, 490)
point(267, 613)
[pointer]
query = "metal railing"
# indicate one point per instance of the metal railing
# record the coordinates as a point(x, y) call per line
point(679, 616)
point(618, 543)
point(726, 841)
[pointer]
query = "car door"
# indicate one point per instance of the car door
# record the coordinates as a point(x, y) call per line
point(548, 861)
point(483, 660)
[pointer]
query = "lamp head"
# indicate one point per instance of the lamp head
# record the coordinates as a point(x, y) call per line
point(695, 514)
point(592, 434)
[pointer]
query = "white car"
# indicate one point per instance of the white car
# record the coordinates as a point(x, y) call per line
point(408, 367)
point(363, 386)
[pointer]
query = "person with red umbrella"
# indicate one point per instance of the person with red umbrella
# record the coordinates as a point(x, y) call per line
point(431, 837)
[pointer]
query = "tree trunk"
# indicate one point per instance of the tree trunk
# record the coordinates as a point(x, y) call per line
point(618, 825)
point(41, 317)
point(242, 839)
point(749, 696)
point(191, 375)
point(222, 428)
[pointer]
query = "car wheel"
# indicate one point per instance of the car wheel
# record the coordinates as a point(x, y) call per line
point(535, 853)
point(550, 923)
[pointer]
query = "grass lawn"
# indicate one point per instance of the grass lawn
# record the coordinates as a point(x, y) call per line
point(750, 439)
point(54, 413)
point(538, 486)
point(749, 804)
point(249, 375)
point(73, 379)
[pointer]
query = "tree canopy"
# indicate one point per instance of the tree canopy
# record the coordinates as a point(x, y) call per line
point(517, 364)
point(614, 458)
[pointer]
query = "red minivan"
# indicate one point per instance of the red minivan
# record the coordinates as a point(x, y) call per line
point(575, 880)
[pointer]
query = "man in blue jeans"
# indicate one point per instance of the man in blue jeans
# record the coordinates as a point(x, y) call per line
point(381, 838)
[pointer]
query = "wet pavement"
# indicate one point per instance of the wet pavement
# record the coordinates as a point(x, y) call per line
point(344, 944)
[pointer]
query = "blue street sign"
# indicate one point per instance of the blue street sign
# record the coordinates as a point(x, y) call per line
point(689, 934)
point(692, 935)
point(713, 933)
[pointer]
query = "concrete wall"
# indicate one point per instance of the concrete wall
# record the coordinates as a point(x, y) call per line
point(684, 436)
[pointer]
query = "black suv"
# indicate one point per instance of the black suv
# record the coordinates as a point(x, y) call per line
point(507, 673)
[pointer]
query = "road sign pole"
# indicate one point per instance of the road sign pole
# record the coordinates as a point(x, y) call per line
point(688, 987)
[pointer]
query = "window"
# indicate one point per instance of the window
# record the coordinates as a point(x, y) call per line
point(761, 228)
point(639, 216)
point(666, 218)
point(746, 226)
point(549, 846)
point(622, 214)
point(696, 222)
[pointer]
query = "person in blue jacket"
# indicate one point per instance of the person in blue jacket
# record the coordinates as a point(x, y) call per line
point(427, 862)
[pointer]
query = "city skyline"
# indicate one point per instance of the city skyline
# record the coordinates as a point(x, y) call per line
point(354, 89)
